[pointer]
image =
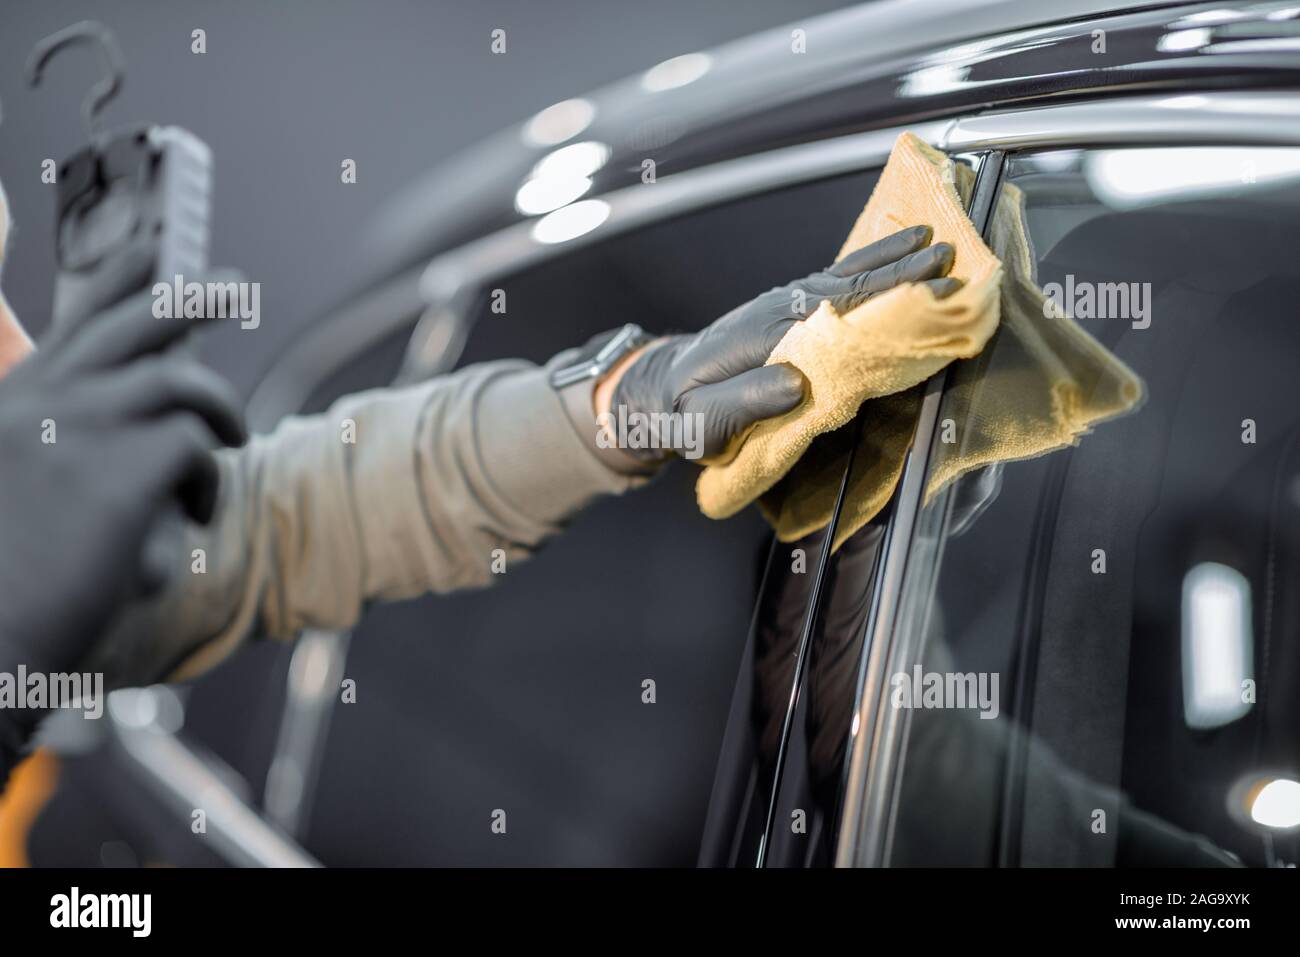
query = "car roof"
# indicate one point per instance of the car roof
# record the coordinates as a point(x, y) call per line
point(881, 64)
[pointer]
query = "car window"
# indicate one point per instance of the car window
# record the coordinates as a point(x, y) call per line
point(1105, 669)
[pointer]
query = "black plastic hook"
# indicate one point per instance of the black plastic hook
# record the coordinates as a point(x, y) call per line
point(85, 32)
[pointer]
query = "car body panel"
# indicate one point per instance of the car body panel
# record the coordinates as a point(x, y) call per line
point(878, 65)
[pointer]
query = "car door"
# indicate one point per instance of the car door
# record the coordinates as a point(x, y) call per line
point(538, 685)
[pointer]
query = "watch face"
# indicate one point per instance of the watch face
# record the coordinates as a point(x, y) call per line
point(601, 354)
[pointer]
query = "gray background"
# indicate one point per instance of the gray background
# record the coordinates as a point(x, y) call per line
point(288, 88)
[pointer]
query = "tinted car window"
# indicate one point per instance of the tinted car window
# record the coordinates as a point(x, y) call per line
point(1122, 612)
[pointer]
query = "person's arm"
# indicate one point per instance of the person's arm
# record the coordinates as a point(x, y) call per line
point(392, 493)
point(387, 495)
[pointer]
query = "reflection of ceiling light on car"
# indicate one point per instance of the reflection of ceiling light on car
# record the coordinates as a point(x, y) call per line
point(1276, 804)
point(134, 707)
point(1130, 178)
point(572, 162)
point(559, 122)
point(157, 706)
point(570, 222)
point(932, 80)
point(678, 71)
point(560, 177)
point(1266, 801)
point(1191, 101)
point(950, 69)
point(1057, 161)
point(1217, 645)
point(543, 195)
point(1211, 16)
point(1183, 40)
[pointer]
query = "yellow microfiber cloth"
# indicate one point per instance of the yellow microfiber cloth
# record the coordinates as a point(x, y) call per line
point(1047, 386)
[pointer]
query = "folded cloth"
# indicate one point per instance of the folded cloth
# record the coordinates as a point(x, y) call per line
point(1051, 381)
point(885, 346)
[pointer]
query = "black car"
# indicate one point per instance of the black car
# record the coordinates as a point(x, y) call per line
point(1132, 595)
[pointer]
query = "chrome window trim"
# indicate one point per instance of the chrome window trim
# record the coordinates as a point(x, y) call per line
point(802, 651)
point(1248, 118)
point(183, 776)
point(316, 670)
point(876, 731)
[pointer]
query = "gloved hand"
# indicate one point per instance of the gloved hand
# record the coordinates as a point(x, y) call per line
point(719, 371)
point(103, 429)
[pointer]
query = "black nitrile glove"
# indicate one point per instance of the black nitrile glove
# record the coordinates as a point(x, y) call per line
point(132, 422)
point(719, 371)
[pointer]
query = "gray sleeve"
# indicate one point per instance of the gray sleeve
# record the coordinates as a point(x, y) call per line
point(389, 494)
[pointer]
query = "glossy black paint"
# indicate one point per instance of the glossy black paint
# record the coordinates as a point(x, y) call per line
point(758, 96)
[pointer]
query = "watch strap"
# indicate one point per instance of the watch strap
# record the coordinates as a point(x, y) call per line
point(600, 355)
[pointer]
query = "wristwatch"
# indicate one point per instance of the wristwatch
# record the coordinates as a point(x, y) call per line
point(600, 355)
point(574, 378)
